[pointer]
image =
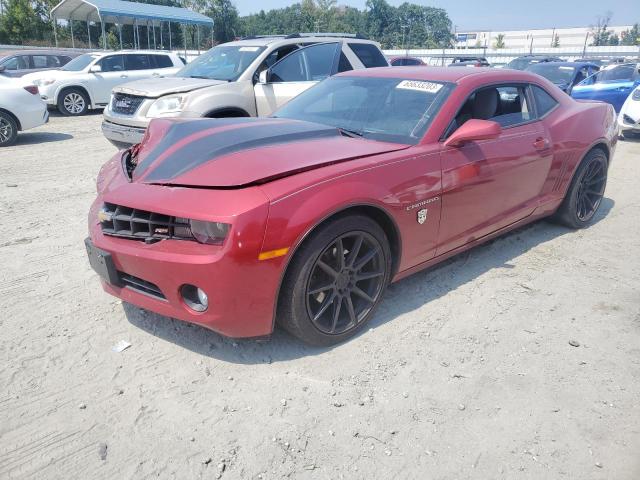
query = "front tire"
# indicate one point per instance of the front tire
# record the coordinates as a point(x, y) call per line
point(73, 102)
point(8, 130)
point(335, 281)
point(586, 191)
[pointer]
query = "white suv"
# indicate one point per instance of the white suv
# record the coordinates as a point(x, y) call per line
point(246, 78)
point(86, 81)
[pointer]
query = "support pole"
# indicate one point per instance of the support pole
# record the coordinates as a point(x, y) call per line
point(55, 32)
point(137, 34)
point(198, 37)
point(170, 48)
point(212, 37)
point(120, 34)
point(184, 32)
point(104, 35)
point(89, 33)
point(73, 43)
point(153, 28)
point(148, 37)
point(161, 43)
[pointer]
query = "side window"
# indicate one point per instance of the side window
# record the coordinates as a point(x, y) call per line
point(63, 59)
point(137, 62)
point(160, 61)
point(39, 61)
point(21, 63)
point(544, 102)
point(369, 55)
point(344, 65)
point(112, 63)
point(11, 64)
point(53, 61)
point(504, 104)
point(308, 64)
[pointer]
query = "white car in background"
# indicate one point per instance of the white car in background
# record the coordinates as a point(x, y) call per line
point(86, 81)
point(20, 109)
point(629, 117)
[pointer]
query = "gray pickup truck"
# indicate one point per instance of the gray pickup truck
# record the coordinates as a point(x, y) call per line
point(246, 78)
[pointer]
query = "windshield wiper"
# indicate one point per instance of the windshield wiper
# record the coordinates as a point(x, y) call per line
point(201, 76)
point(350, 133)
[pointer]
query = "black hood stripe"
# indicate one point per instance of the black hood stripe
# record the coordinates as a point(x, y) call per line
point(210, 147)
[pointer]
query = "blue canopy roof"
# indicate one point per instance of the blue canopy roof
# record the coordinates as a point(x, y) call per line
point(122, 12)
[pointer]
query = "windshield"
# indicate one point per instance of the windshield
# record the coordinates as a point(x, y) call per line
point(387, 109)
point(80, 63)
point(221, 63)
point(555, 73)
point(623, 73)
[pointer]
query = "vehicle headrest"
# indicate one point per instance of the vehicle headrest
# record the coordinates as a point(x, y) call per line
point(485, 104)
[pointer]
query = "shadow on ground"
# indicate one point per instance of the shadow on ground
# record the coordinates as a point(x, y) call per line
point(401, 297)
point(33, 138)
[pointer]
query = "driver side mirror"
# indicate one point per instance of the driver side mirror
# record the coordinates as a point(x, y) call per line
point(265, 76)
point(2, 68)
point(473, 130)
point(95, 69)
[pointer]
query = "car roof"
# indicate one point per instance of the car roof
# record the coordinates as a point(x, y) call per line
point(575, 64)
point(8, 53)
point(442, 74)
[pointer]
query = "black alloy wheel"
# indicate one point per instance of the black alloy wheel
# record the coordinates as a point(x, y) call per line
point(585, 192)
point(335, 280)
point(345, 282)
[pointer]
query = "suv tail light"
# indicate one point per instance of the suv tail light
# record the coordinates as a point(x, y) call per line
point(32, 89)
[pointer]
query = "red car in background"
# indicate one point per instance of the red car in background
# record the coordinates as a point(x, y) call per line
point(303, 219)
point(406, 62)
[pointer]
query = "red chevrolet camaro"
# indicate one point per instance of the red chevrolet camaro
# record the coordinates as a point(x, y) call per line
point(304, 218)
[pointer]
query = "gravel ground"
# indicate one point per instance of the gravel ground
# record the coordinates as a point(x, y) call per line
point(467, 370)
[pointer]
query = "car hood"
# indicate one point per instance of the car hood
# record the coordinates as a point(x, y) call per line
point(158, 87)
point(238, 152)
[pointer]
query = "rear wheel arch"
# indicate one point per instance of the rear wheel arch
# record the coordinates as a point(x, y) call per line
point(15, 119)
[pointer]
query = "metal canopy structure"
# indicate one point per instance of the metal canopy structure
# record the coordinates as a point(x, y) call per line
point(120, 12)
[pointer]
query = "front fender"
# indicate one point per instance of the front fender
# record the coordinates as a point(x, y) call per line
point(73, 84)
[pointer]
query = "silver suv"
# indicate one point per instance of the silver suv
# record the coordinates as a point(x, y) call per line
point(247, 78)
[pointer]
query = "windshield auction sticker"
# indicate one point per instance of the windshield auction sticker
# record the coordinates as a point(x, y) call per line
point(428, 87)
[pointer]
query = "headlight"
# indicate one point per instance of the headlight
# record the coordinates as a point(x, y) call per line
point(636, 94)
point(43, 82)
point(211, 233)
point(165, 106)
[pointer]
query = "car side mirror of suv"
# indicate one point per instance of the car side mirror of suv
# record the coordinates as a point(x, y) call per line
point(265, 76)
point(2, 68)
point(95, 69)
point(472, 130)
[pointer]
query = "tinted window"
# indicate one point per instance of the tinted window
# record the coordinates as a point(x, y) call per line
point(544, 102)
point(113, 63)
point(39, 61)
point(312, 63)
point(221, 63)
point(369, 55)
point(386, 109)
point(63, 59)
point(344, 65)
point(137, 62)
point(19, 62)
point(623, 73)
point(161, 61)
point(80, 63)
point(412, 61)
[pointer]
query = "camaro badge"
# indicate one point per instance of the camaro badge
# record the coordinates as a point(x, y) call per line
point(422, 216)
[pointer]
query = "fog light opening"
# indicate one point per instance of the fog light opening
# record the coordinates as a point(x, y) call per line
point(195, 298)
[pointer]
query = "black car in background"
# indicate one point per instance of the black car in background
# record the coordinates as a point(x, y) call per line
point(521, 63)
point(16, 63)
point(470, 62)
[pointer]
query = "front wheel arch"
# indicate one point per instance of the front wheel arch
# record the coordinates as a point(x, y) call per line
point(230, 112)
point(74, 87)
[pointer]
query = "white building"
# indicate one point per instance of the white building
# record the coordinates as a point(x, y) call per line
point(527, 39)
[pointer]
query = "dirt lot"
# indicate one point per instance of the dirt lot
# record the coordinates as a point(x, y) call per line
point(466, 372)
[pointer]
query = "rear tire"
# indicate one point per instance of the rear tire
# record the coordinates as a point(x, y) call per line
point(73, 102)
point(585, 193)
point(335, 281)
point(8, 130)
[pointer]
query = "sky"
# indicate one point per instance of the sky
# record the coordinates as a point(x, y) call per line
point(501, 14)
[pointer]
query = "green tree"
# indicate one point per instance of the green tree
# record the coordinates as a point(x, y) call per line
point(20, 22)
point(556, 41)
point(225, 19)
point(499, 43)
point(631, 36)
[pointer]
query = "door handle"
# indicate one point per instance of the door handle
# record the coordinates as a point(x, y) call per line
point(124, 76)
point(541, 143)
point(155, 74)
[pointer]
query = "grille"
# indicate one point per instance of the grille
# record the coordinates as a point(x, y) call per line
point(125, 104)
point(120, 221)
point(141, 285)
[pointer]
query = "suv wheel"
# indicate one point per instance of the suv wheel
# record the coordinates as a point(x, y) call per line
point(73, 102)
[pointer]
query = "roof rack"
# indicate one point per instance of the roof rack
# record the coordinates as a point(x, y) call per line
point(308, 34)
point(254, 37)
